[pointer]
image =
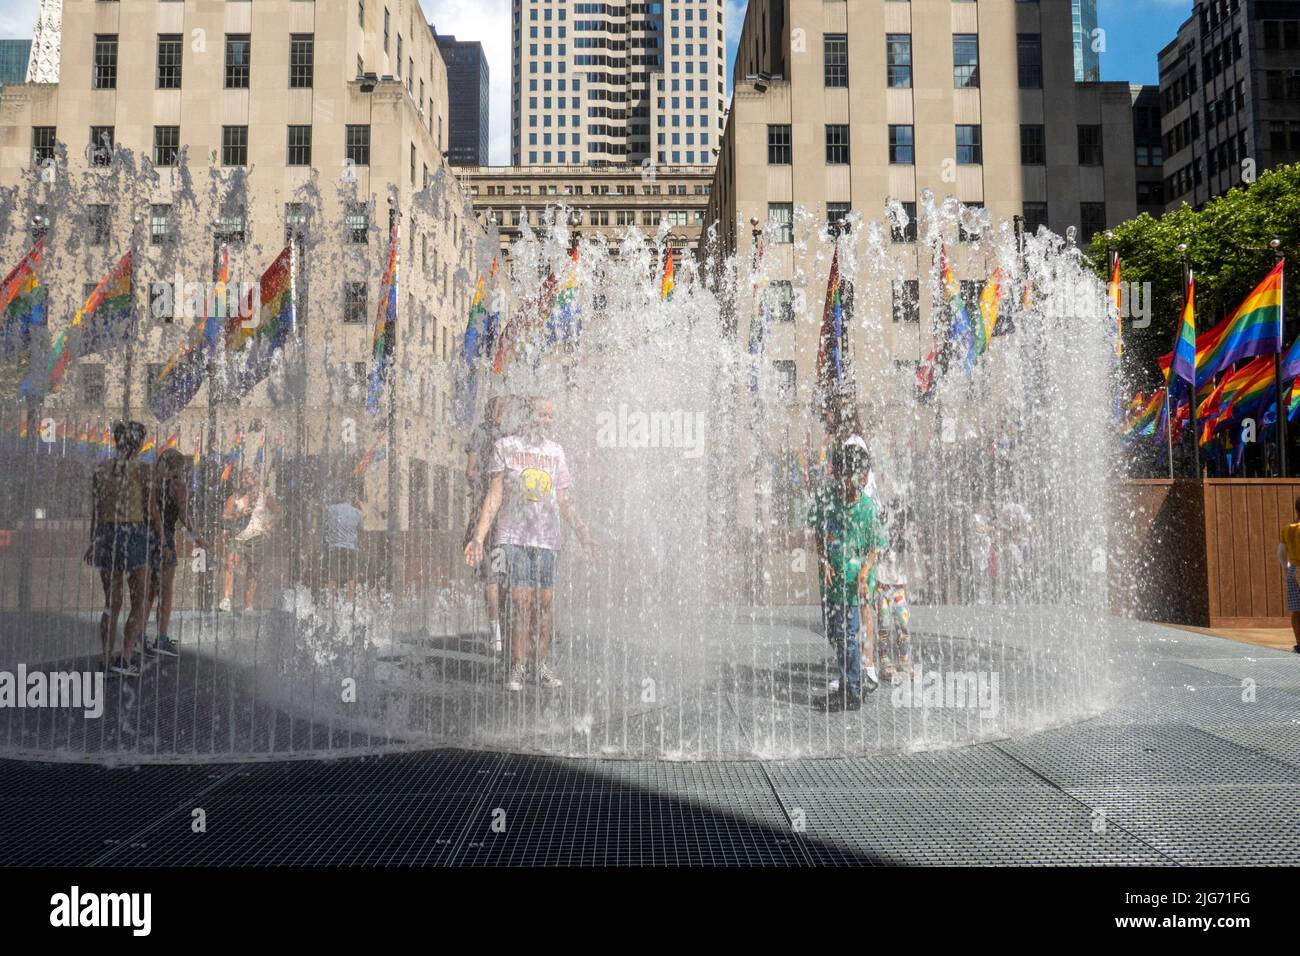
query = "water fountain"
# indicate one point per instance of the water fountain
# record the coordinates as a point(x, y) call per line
point(694, 633)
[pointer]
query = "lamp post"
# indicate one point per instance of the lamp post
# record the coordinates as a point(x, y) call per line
point(1282, 404)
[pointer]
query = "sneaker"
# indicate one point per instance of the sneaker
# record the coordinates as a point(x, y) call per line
point(833, 686)
point(838, 703)
point(165, 647)
point(546, 677)
point(869, 679)
point(126, 668)
point(224, 605)
point(516, 681)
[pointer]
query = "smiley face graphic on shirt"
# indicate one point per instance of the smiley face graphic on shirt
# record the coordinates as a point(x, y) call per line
point(535, 484)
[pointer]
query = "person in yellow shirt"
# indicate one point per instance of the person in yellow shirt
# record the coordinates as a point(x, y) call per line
point(1288, 553)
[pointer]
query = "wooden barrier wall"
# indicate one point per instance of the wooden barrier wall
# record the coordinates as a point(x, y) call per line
point(1201, 553)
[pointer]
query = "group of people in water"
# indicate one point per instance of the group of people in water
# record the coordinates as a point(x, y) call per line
point(137, 508)
point(519, 485)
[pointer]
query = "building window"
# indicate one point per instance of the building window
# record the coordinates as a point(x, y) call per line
point(230, 229)
point(837, 143)
point(237, 53)
point(385, 29)
point(965, 60)
point(91, 391)
point(104, 76)
point(1029, 57)
point(968, 226)
point(1033, 145)
point(970, 151)
point(358, 145)
point(898, 60)
point(1090, 146)
point(234, 146)
point(166, 144)
point(901, 149)
point(1151, 193)
point(780, 217)
point(1035, 216)
point(786, 383)
point(780, 299)
point(101, 145)
point(299, 146)
point(836, 212)
point(42, 144)
point(354, 303)
point(302, 58)
point(907, 300)
point(835, 53)
point(1092, 220)
point(159, 222)
point(169, 61)
point(295, 221)
point(905, 232)
point(778, 144)
point(98, 222)
point(356, 222)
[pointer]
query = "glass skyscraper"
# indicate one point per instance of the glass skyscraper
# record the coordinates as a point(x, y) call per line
point(13, 60)
point(1087, 61)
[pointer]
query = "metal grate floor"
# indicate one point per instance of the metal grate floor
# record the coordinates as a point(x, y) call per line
point(1181, 771)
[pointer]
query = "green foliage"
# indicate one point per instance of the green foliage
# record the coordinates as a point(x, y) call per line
point(1228, 249)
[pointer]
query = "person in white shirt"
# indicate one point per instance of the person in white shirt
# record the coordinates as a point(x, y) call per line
point(893, 613)
point(343, 521)
point(249, 515)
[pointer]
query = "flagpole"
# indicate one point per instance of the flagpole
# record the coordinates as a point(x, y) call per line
point(128, 365)
point(1276, 246)
point(390, 374)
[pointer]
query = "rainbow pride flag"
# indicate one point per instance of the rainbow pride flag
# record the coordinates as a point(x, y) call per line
point(666, 283)
point(233, 457)
point(377, 451)
point(1114, 295)
point(102, 321)
point(830, 346)
point(563, 322)
point(1183, 364)
point(384, 344)
point(22, 302)
point(990, 299)
point(185, 370)
point(253, 350)
point(1254, 329)
point(1235, 393)
point(959, 329)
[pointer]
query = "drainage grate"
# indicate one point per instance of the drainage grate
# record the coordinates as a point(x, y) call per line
point(1143, 755)
point(1208, 825)
point(631, 829)
point(306, 830)
point(1279, 741)
point(1013, 826)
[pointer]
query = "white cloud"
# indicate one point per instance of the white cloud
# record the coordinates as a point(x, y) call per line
point(488, 22)
point(17, 17)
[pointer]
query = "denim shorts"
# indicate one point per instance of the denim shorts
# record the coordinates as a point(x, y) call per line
point(156, 557)
point(529, 567)
point(121, 546)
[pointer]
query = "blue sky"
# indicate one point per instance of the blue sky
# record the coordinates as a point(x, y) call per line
point(1135, 32)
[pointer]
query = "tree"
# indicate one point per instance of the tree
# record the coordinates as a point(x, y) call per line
point(1227, 247)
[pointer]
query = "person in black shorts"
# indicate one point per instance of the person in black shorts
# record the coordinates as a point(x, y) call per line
point(172, 496)
point(478, 450)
